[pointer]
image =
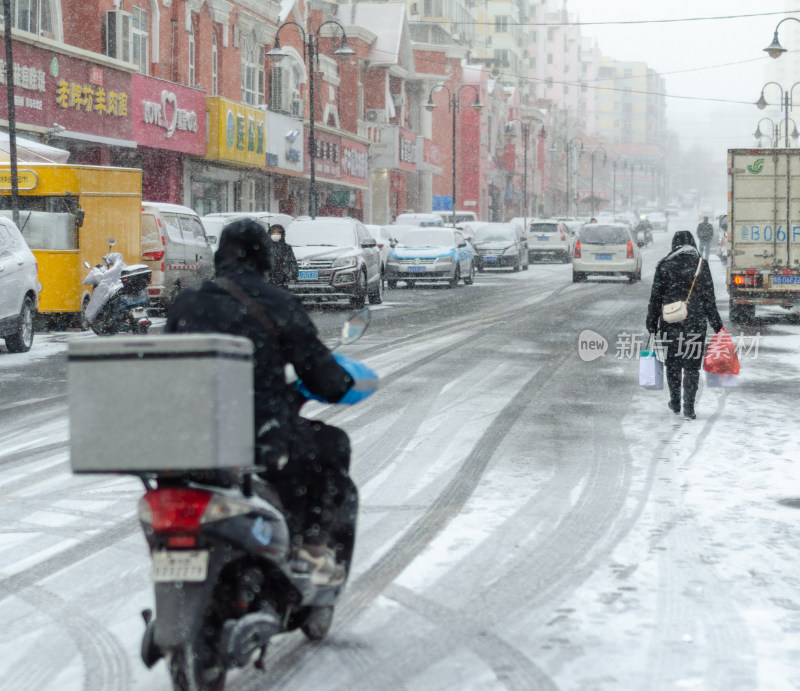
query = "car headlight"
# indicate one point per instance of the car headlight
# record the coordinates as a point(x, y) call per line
point(510, 250)
point(445, 260)
point(344, 262)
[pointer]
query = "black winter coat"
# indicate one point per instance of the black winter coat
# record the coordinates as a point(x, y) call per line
point(285, 270)
point(705, 231)
point(672, 280)
point(210, 309)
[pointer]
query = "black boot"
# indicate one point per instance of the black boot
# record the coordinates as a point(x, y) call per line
point(674, 384)
point(691, 380)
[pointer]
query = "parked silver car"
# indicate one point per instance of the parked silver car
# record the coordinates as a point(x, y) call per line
point(19, 288)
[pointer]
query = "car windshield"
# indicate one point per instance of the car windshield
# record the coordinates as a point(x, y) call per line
point(426, 238)
point(544, 227)
point(595, 234)
point(321, 234)
point(495, 234)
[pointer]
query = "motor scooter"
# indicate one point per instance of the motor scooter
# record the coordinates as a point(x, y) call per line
point(225, 576)
point(119, 298)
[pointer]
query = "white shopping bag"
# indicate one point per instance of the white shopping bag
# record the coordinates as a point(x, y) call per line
point(714, 380)
point(651, 371)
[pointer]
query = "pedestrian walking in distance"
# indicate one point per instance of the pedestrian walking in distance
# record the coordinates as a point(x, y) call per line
point(705, 234)
point(684, 340)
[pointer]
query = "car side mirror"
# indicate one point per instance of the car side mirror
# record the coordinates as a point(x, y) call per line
point(369, 243)
point(462, 244)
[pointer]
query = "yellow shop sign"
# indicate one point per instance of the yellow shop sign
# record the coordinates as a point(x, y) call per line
point(236, 133)
point(26, 180)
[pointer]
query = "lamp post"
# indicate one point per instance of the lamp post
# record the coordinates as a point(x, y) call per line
point(568, 143)
point(776, 129)
point(786, 98)
point(310, 55)
point(775, 49)
point(605, 160)
point(633, 166)
point(12, 122)
point(614, 193)
point(525, 132)
point(454, 105)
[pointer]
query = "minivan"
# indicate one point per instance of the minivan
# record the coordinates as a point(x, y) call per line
point(419, 219)
point(175, 247)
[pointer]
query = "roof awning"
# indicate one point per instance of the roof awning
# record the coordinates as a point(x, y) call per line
point(29, 151)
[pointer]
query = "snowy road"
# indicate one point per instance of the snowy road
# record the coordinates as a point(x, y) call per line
point(528, 520)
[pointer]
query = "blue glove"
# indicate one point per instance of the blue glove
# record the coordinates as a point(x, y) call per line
point(365, 381)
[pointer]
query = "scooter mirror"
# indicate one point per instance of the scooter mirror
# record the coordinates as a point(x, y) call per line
point(87, 265)
point(111, 242)
point(355, 327)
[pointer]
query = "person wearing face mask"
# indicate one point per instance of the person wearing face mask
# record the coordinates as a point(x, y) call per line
point(285, 264)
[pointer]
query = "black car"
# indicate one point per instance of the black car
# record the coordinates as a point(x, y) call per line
point(500, 246)
point(337, 259)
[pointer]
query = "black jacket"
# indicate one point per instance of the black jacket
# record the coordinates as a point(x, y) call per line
point(705, 231)
point(672, 280)
point(285, 264)
point(210, 309)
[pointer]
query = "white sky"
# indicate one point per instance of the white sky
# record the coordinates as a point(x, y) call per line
point(728, 51)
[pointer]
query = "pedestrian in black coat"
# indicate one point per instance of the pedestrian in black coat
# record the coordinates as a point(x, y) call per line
point(284, 262)
point(318, 497)
point(705, 234)
point(684, 340)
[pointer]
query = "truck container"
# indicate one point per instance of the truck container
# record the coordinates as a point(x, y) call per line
point(763, 230)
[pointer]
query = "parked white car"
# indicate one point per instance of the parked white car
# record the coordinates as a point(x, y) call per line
point(19, 288)
point(606, 250)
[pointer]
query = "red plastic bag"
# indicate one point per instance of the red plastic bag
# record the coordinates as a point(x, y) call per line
point(721, 355)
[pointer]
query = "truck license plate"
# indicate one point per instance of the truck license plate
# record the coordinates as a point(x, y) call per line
point(190, 565)
point(416, 269)
point(307, 275)
point(785, 280)
point(603, 257)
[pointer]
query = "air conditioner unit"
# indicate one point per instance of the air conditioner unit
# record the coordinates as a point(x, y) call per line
point(296, 109)
point(118, 34)
point(377, 115)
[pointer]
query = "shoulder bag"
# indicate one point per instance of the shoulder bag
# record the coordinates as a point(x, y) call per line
point(678, 311)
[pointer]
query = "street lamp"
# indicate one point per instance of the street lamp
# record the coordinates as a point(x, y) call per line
point(525, 131)
point(311, 56)
point(567, 143)
point(776, 128)
point(453, 105)
point(786, 97)
point(775, 49)
point(633, 166)
point(605, 160)
point(614, 193)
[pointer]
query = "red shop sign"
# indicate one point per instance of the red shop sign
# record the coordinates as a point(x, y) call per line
point(168, 116)
point(77, 94)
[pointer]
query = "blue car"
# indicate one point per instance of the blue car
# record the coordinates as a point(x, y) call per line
point(430, 255)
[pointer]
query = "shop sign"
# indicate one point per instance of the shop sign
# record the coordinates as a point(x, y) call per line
point(407, 150)
point(168, 116)
point(236, 132)
point(326, 155)
point(79, 95)
point(355, 162)
point(285, 142)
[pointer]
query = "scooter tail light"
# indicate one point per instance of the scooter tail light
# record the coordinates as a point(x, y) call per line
point(629, 254)
point(174, 509)
point(577, 253)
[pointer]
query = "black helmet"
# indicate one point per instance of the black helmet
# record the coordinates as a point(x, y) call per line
point(244, 242)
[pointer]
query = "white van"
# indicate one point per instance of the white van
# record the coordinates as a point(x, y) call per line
point(422, 220)
point(175, 247)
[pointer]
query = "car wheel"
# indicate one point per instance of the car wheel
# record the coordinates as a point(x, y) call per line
point(518, 265)
point(409, 284)
point(527, 264)
point(632, 277)
point(360, 298)
point(391, 283)
point(578, 277)
point(22, 340)
point(377, 297)
point(469, 279)
point(453, 282)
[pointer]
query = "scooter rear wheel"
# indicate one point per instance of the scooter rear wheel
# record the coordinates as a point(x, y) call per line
point(318, 623)
point(194, 669)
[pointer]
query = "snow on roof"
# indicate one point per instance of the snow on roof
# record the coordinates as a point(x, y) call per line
point(387, 20)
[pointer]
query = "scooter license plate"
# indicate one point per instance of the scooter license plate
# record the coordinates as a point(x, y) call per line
point(189, 565)
point(139, 312)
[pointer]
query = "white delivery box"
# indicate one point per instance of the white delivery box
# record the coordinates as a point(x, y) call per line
point(151, 404)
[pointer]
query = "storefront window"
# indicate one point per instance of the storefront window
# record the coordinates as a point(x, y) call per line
point(253, 75)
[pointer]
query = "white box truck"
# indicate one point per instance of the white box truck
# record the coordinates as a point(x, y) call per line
point(763, 230)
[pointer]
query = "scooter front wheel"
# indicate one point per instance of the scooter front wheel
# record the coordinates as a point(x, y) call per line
point(195, 669)
point(318, 623)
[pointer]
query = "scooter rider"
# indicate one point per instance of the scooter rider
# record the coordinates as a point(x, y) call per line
point(317, 494)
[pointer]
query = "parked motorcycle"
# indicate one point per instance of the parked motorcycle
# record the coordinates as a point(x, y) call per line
point(224, 573)
point(119, 298)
